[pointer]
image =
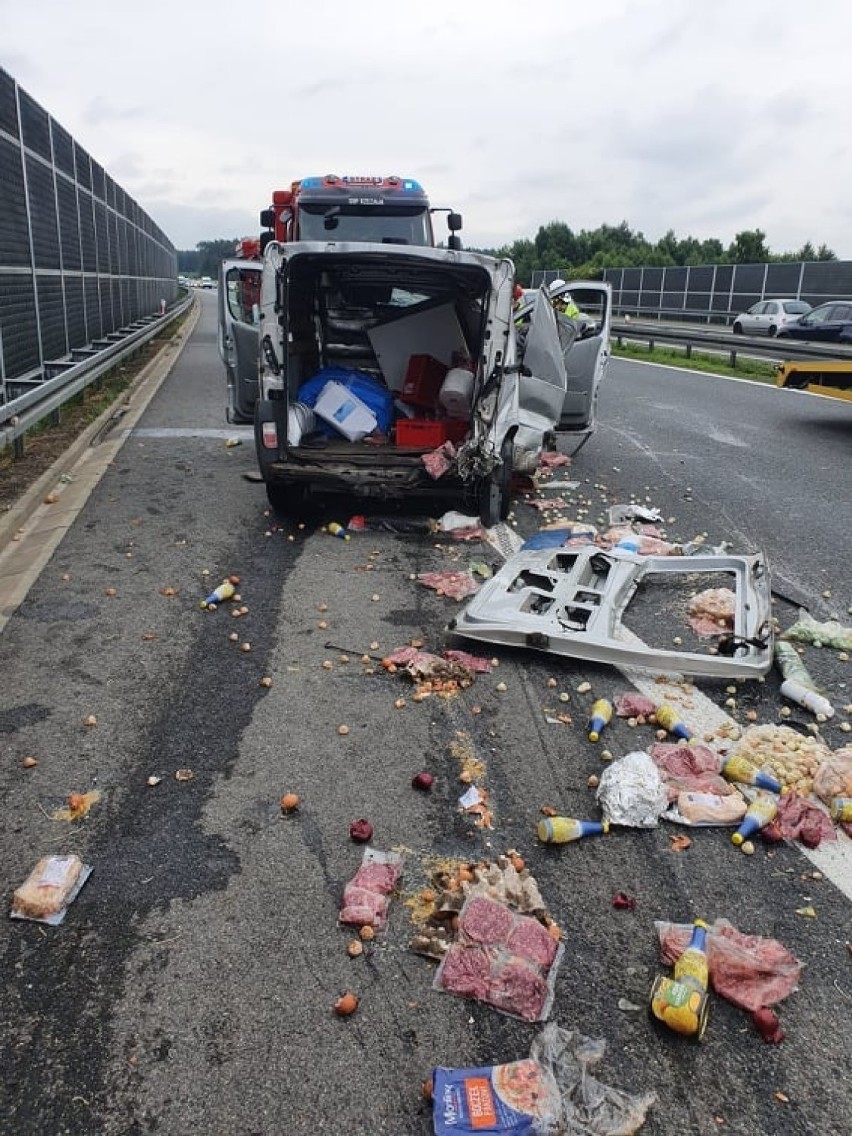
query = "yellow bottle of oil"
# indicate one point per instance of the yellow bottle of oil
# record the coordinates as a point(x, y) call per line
point(681, 1002)
point(562, 830)
point(759, 814)
point(669, 720)
point(599, 718)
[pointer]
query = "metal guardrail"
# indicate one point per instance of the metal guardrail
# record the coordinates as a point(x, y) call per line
point(22, 413)
point(727, 344)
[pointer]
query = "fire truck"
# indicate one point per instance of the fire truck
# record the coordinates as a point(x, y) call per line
point(381, 210)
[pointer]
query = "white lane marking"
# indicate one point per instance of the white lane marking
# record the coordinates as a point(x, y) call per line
point(187, 432)
point(833, 858)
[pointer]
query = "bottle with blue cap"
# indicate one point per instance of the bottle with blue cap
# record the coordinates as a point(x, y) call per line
point(599, 718)
point(669, 720)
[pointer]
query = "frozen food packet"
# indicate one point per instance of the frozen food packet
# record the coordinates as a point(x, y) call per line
point(517, 1099)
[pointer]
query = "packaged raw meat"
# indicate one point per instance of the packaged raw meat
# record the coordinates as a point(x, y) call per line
point(502, 958)
point(709, 809)
point(366, 898)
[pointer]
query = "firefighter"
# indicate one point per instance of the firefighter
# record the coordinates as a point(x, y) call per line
point(564, 302)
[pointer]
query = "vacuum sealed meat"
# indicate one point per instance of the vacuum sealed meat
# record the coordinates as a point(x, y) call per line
point(377, 877)
point(366, 898)
point(502, 958)
point(466, 971)
point(485, 921)
point(519, 988)
point(531, 941)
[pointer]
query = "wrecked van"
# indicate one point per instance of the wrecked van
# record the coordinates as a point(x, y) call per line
point(389, 373)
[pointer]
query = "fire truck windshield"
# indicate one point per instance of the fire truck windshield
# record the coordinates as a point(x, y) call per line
point(383, 224)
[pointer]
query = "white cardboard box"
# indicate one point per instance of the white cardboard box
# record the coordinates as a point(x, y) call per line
point(344, 411)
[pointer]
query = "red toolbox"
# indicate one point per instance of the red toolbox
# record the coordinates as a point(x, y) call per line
point(428, 435)
point(423, 378)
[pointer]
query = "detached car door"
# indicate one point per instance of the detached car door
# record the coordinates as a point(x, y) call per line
point(239, 295)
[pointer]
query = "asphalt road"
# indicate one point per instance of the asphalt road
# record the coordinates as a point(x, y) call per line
point(190, 989)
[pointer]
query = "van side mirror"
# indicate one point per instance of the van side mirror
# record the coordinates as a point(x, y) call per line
point(267, 218)
point(454, 222)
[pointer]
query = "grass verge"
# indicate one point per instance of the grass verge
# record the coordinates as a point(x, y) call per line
point(758, 370)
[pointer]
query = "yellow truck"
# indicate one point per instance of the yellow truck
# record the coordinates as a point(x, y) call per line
point(831, 377)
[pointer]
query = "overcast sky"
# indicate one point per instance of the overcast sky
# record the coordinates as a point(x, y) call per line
point(703, 116)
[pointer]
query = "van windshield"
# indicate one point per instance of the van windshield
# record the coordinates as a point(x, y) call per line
point(408, 225)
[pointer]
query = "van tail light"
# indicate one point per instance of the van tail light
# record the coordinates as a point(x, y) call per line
point(269, 436)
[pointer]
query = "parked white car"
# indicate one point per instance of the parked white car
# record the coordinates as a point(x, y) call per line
point(769, 316)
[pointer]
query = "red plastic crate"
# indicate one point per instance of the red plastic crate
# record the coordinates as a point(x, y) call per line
point(423, 378)
point(428, 435)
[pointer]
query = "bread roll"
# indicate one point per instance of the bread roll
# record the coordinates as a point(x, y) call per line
point(45, 891)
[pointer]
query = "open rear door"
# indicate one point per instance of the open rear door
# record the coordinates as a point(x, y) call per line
point(239, 294)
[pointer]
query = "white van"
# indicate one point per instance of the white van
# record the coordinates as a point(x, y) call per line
point(425, 344)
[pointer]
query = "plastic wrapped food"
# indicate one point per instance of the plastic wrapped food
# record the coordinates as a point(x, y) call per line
point(806, 629)
point(631, 791)
point(690, 768)
point(711, 612)
point(553, 1092)
point(748, 970)
point(504, 959)
point(51, 886)
point(366, 898)
point(833, 778)
point(792, 757)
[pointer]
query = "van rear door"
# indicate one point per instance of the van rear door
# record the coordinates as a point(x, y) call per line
point(239, 293)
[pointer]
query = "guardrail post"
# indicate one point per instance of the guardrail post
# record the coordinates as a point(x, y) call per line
point(689, 350)
point(650, 346)
point(18, 447)
point(733, 359)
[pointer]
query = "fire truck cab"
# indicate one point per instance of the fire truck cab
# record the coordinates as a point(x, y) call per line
point(378, 210)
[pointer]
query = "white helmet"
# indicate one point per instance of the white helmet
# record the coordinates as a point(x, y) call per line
point(556, 284)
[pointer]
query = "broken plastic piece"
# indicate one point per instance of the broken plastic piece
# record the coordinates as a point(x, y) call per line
point(571, 603)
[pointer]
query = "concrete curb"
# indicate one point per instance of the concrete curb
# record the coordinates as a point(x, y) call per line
point(129, 409)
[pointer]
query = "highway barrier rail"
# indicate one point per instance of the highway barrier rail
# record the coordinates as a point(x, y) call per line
point(68, 377)
point(725, 343)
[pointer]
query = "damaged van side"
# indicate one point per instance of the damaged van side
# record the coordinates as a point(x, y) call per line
point(395, 373)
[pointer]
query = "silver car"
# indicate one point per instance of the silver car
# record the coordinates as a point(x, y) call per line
point(769, 316)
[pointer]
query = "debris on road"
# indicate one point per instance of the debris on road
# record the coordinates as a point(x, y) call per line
point(77, 805)
point(225, 591)
point(361, 831)
point(455, 585)
point(631, 792)
point(793, 758)
point(346, 1005)
point(632, 705)
point(290, 802)
point(366, 898)
point(681, 1001)
point(565, 830)
point(507, 960)
point(750, 971)
point(49, 889)
point(806, 629)
point(553, 1091)
point(711, 612)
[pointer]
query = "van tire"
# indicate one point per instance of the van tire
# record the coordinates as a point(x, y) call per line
point(494, 497)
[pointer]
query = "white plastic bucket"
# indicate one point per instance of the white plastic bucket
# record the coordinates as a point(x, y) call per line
point(456, 393)
point(301, 420)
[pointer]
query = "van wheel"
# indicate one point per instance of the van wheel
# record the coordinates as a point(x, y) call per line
point(286, 500)
point(494, 497)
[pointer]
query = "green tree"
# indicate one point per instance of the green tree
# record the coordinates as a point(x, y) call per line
point(749, 247)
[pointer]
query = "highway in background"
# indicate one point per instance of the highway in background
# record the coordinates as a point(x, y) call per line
point(190, 989)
